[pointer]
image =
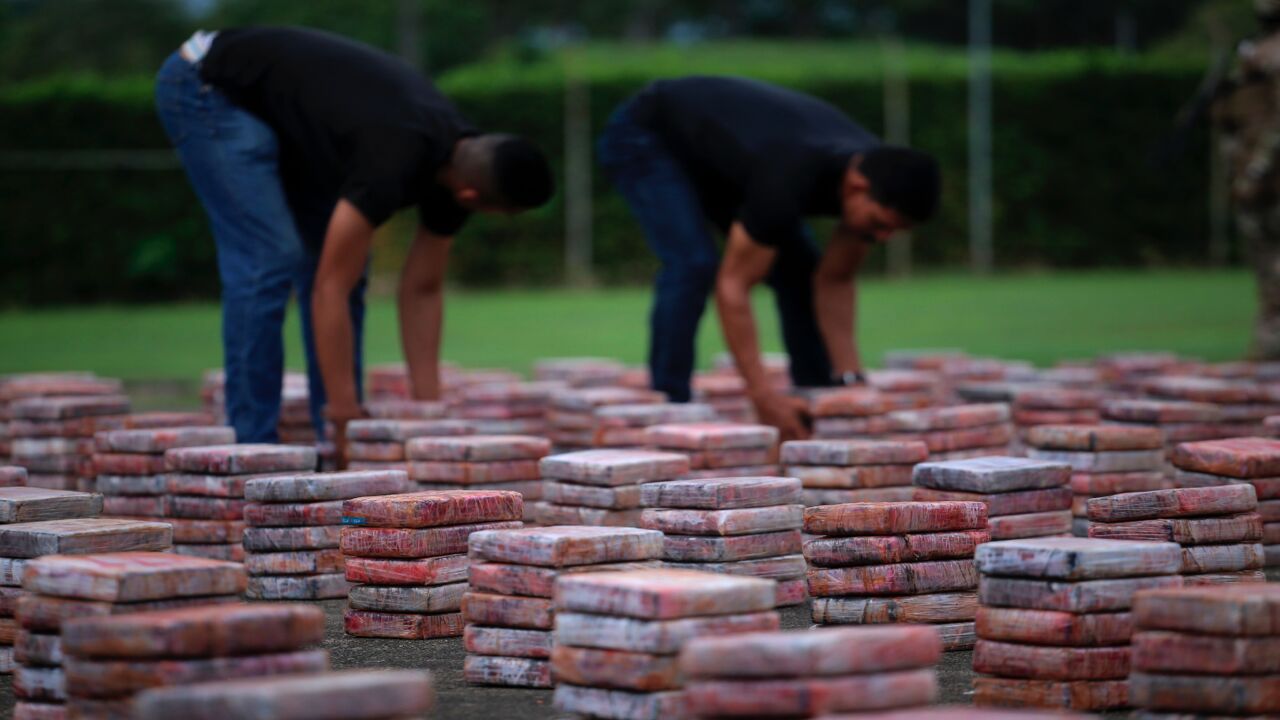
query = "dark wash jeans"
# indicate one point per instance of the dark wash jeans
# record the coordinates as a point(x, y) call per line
point(664, 201)
point(268, 244)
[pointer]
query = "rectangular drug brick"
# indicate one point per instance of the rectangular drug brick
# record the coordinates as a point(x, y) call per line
point(728, 459)
point(722, 494)
point(204, 508)
point(619, 704)
point(478, 448)
point(1080, 695)
point(785, 567)
point(624, 497)
point(508, 642)
point(131, 485)
point(133, 506)
point(618, 669)
point(42, 613)
point(893, 518)
point(854, 476)
point(659, 637)
point(1223, 558)
point(930, 608)
point(13, 476)
point(901, 579)
point(376, 451)
point(837, 497)
point(196, 632)
point(663, 594)
point(469, 473)
point(1077, 558)
point(1233, 457)
point(730, 548)
point(1157, 651)
point(1176, 502)
point(158, 440)
point(1240, 610)
point(233, 552)
point(82, 535)
point(992, 474)
point(1113, 483)
point(613, 468)
point(1010, 503)
point(433, 508)
point(507, 671)
point(1050, 627)
point(245, 459)
point(40, 649)
point(30, 504)
point(552, 514)
point(571, 545)
point(1217, 695)
point(853, 452)
point(739, 521)
point(1042, 662)
point(507, 611)
point(409, 599)
point(1103, 462)
point(537, 581)
point(42, 684)
point(966, 439)
point(401, 430)
point(956, 636)
point(426, 571)
point(403, 626)
point(351, 693)
point(949, 418)
point(202, 532)
point(1245, 527)
point(824, 652)
point(732, 472)
point(1010, 527)
point(121, 678)
point(9, 597)
point(419, 542)
point(849, 402)
point(711, 436)
point(131, 576)
point(223, 486)
point(1084, 596)
point(295, 562)
point(1095, 438)
point(298, 587)
point(284, 514)
point(66, 407)
point(321, 487)
point(810, 697)
point(280, 539)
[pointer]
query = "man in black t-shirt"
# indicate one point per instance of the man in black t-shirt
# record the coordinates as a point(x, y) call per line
point(299, 144)
point(755, 160)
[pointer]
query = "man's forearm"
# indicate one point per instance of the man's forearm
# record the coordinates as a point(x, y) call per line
point(835, 305)
point(737, 321)
point(421, 321)
point(331, 325)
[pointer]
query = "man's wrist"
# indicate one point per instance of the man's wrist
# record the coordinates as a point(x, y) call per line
point(343, 413)
point(849, 378)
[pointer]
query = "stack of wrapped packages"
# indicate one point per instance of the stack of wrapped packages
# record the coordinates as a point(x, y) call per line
point(738, 526)
point(420, 538)
point(1104, 460)
point(13, 476)
point(1178, 421)
point(63, 587)
point(580, 372)
point(379, 443)
point(1206, 652)
point(131, 477)
point(296, 522)
point(842, 471)
point(206, 490)
point(618, 636)
point(1244, 405)
point(1033, 407)
point(1024, 498)
point(509, 611)
point(603, 487)
point(32, 385)
point(726, 392)
point(571, 419)
point(623, 426)
point(110, 660)
point(1218, 528)
point(849, 413)
point(1054, 621)
point(1255, 461)
point(811, 673)
point(874, 563)
point(908, 389)
point(719, 449)
point(956, 432)
point(52, 437)
point(480, 462)
point(507, 408)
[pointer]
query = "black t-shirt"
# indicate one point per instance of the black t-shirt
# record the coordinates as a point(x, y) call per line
point(353, 122)
point(759, 154)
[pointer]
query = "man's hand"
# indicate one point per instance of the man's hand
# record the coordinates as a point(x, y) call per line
point(339, 417)
point(790, 415)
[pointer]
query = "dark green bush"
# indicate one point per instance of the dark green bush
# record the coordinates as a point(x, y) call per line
point(1073, 138)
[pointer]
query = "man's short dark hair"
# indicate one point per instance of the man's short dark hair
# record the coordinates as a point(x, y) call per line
point(521, 173)
point(904, 180)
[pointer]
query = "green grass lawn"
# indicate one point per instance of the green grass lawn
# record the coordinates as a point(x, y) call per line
point(1042, 318)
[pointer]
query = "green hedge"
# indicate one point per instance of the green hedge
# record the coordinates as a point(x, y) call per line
point(1073, 136)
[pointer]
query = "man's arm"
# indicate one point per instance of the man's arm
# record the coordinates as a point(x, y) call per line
point(342, 263)
point(835, 298)
point(745, 265)
point(421, 305)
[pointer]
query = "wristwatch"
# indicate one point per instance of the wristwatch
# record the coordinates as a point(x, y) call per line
point(851, 377)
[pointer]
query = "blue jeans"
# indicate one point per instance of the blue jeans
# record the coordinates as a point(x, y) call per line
point(665, 202)
point(268, 244)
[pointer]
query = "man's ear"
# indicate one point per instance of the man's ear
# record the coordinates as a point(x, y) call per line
point(466, 195)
